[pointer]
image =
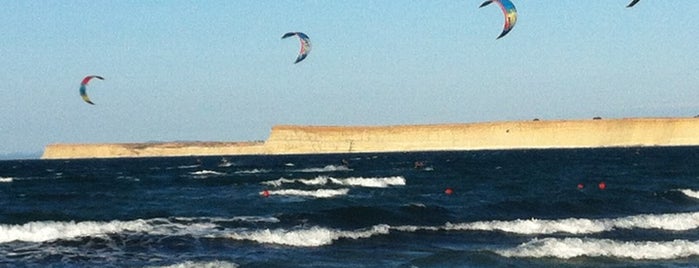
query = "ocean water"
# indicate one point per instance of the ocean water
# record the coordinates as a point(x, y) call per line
point(565, 208)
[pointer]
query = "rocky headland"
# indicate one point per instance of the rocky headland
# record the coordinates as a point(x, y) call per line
point(536, 134)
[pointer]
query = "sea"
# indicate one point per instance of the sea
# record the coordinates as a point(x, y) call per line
point(608, 207)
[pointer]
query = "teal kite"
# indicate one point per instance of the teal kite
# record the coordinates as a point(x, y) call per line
point(508, 9)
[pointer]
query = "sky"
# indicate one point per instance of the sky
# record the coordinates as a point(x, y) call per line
point(219, 70)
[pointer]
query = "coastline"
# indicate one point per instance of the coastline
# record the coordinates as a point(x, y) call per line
point(503, 135)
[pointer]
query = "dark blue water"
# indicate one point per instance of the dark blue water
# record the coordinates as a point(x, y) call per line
point(592, 207)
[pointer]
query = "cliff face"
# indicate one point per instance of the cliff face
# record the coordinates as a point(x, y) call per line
point(65, 151)
point(477, 136)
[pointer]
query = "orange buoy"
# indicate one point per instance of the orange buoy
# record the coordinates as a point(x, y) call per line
point(602, 185)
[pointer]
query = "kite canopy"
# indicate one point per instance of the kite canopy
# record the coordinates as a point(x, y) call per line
point(83, 87)
point(508, 9)
point(632, 3)
point(305, 44)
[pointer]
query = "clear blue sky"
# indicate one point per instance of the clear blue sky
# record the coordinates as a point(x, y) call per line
point(219, 70)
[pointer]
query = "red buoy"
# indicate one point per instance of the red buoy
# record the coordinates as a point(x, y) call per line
point(602, 185)
point(265, 193)
point(448, 191)
point(580, 186)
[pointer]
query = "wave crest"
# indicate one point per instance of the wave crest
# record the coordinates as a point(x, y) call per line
point(199, 264)
point(690, 193)
point(310, 237)
point(202, 174)
point(672, 222)
point(52, 230)
point(567, 248)
point(328, 168)
point(372, 182)
point(320, 193)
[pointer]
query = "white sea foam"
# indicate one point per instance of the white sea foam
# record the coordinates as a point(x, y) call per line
point(187, 166)
point(42, 231)
point(256, 219)
point(372, 182)
point(328, 168)
point(225, 163)
point(6, 179)
point(308, 237)
point(206, 172)
point(672, 222)
point(252, 171)
point(52, 230)
point(566, 248)
point(128, 178)
point(690, 193)
point(279, 182)
point(320, 193)
point(352, 181)
point(200, 264)
point(220, 219)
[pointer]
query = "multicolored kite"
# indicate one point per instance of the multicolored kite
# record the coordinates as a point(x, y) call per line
point(632, 3)
point(83, 87)
point(510, 14)
point(305, 44)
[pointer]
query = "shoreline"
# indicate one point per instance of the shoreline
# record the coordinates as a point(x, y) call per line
point(502, 135)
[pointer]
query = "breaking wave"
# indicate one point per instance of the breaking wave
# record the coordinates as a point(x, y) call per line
point(199, 264)
point(328, 168)
point(316, 236)
point(6, 179)
point(252, 171)
point(690, 193)
point(308, 237)
point(671, 222)
point(352, 181)
point(320, 193)
point(566, 248)
point(52, 230)
point(187, 166)
point(206, 173)
point(42, 231)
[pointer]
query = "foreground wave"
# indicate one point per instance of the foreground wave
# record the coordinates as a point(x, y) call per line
point(308, 237)
point(566, 248)
point(670, 222)
point(199, 264)
point(42, 231)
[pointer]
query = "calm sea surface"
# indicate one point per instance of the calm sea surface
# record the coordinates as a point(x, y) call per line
point(565, 208)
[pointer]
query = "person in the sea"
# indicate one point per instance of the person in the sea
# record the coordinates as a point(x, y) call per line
point(419, 164)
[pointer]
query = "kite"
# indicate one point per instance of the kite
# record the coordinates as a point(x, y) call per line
point(83, 87)
point(632, 3)
point(305, 44)
point(510, 14)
